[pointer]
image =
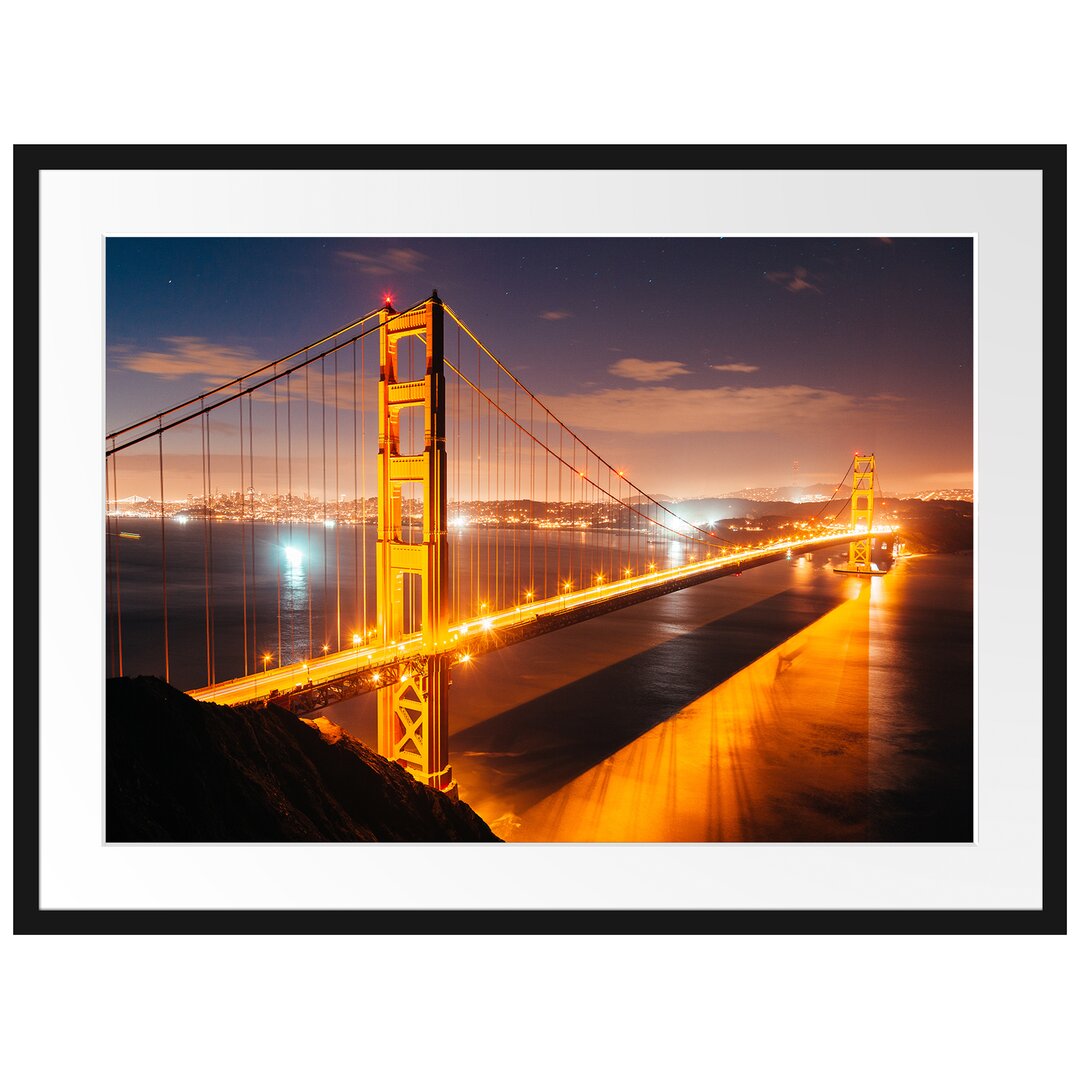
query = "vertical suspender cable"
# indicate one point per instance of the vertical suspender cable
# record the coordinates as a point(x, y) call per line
point(337, 499)
point(355, 494)
point(558, 534)
point(457, 483)
point(547, 505)
point(575, 581)
point(109, 587)
point(210, 536)
point(488, 500)
point(326, 590)
point(474, 460)
point(243, 529)
point(277, 521)
point(254, 574)
point(289, 508)
point(532, 501)
point(613, 539)
point(514, 497)
point(116, 555)
point(363, 482)
point(206, 550)
point(307, 501)
point(498, 473)
point(164, 570)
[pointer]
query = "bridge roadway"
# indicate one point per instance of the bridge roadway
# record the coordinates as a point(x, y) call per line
point(362, 668)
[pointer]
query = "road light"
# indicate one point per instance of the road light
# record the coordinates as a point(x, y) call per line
point(325, 648)
point(267, 657)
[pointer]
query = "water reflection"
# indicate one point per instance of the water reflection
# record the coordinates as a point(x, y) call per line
point(295, 605)
point(777, 752)
point(790, 703)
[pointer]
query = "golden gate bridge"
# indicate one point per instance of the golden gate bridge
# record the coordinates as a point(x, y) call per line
point(493, 521)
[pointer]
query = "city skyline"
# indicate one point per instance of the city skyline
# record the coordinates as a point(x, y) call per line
point(700, 365)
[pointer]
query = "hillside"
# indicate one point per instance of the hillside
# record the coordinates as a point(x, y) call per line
point(936, 527)
point(927, 526)
point(181, 770)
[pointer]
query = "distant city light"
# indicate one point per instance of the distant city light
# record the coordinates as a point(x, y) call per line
point(181, 519)
point(329, 523)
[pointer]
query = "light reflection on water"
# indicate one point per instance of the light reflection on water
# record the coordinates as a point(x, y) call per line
point(788, 704)
point(775, 751)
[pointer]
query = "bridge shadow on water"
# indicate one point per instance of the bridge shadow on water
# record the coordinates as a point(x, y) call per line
point(510, 762)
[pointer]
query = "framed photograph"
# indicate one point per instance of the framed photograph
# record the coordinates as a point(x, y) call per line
point(539, 539)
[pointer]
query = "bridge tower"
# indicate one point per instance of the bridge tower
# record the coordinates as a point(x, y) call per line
point(413, 728)
point(862, 518)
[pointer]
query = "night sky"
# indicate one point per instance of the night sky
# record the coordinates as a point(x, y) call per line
point(700, 365)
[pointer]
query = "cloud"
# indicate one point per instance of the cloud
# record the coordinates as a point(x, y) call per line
point(555, 316)
point(185, 356)
point(948, 480)
point(799, 280)
point(391, 261)
point(650, 410)
point(734, 367)
point(630, 367)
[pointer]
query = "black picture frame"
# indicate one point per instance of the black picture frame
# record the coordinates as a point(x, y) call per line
point(31, 160)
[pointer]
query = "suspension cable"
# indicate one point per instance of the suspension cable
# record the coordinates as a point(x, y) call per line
point(570, 466)
point(243, 544)
point(503, 367)
point(109, 452)
point(240, 378)
point(164, 570)
point(823, 506)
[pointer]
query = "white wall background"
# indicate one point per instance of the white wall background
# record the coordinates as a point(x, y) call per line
point(785, 72)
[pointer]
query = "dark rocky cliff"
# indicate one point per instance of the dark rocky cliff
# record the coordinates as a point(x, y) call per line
point(181, 770)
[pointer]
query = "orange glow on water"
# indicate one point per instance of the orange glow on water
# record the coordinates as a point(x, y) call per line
point(779, 748)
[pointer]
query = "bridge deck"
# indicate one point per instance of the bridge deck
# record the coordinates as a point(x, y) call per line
point(325, 679)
